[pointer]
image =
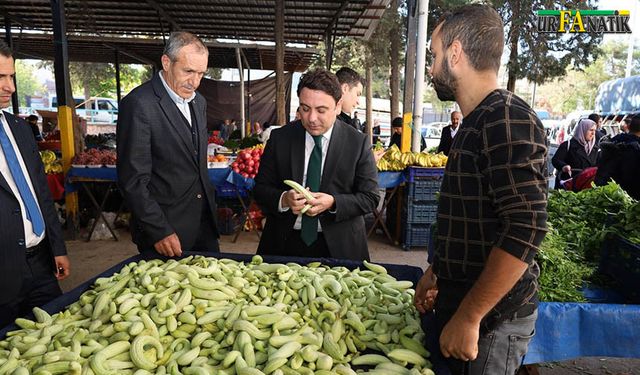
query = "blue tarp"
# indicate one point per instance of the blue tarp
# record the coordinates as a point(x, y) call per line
point(570, 330)
point(618, 96)
point(389, 180)
point(216, 175)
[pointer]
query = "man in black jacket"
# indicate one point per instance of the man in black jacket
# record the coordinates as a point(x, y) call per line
point(620, 160)
point(33, 256)
point(335, 162)
point(162, 155)
point(448, 132)
point(351, 85)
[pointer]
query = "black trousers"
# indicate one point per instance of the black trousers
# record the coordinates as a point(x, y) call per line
point(39, 287)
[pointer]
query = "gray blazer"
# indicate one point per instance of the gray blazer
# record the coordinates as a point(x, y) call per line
point(160, 174)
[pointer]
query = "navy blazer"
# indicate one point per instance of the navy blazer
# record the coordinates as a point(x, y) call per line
point(161, 176)
point(349, 174)
point(12, 255)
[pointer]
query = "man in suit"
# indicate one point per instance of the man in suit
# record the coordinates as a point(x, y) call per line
point(351, 85)
point(448, 132)
point(335, 162)
point(33, 256)
point(162, 151)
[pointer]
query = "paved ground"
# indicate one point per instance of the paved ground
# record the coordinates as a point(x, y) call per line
point(91, 258)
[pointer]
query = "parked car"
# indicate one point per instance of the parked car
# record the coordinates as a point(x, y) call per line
point(95, 109)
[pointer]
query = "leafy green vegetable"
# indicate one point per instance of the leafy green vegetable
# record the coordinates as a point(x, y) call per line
point(561, 272)
point(579, 223)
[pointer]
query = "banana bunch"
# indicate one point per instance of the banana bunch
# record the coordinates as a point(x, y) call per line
point(51, 162)
point(422, 159)
point(395, 160)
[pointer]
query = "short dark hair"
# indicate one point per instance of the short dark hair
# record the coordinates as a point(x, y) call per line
point(5, 50)
point(179, 39)
point(634, 125)
point(32, 118)
point(396, 122)
point(480, 30)
point(594, 117)
point(321, 80)
point(349, 76)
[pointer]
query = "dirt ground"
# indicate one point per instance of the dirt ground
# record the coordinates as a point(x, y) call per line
point(91, 258)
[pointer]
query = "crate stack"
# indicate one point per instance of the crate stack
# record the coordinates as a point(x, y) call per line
point(421, 209)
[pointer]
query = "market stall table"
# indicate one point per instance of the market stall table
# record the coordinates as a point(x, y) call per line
point(386, 180)
point(79, 177)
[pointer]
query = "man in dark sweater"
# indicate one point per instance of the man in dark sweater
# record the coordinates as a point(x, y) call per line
point(492, 206)
point(351, 84)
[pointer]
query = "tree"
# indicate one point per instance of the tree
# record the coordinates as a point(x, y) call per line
point(540, 57)
point(99, 79)
point(536, 56)
point(28, 85)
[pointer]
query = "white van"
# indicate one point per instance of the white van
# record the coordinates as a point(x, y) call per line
point(95, 109)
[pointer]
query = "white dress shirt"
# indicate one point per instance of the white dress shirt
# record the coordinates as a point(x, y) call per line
point(309, 144)
point(30, 238)
point(454, 131)
point(182, 104)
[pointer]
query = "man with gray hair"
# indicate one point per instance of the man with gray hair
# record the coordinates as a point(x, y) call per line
point(162, 151)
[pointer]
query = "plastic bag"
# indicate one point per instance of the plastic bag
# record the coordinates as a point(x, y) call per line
point(101, 231)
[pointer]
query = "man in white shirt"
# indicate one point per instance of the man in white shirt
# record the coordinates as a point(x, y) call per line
point(162, 155)
point(335, 162)
point(449, 132)
point(33, 254)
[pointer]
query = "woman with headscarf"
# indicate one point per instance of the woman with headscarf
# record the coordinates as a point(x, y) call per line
point(577, 153)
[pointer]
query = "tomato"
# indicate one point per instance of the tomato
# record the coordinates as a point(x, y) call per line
point(236, 170)
point(249, 169)
point(245, 174)
point(250, 162)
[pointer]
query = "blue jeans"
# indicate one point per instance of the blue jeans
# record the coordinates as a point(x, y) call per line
point(500, 351)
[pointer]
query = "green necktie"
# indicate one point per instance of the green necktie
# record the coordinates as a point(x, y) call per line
point(309, 232)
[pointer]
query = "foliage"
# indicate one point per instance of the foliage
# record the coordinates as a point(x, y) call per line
point(214, 73)
point(99, 79)
point(28, 85)
point(540, 57)
point(359, 54)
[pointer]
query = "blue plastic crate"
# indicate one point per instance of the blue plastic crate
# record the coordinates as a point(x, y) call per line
point(415, 235)
point(424, 190)
point(621, 260)
point(421, 213)
point(421, 173)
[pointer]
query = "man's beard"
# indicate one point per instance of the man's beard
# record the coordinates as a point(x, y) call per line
point(445, 84)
